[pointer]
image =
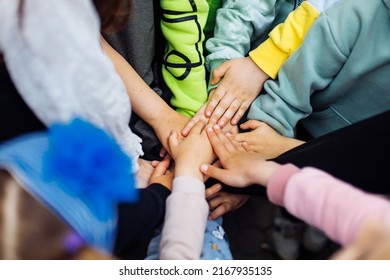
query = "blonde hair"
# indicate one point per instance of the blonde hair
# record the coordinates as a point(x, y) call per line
point(29, 230)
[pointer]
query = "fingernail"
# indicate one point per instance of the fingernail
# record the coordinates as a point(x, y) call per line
point(204, 167)
point(208, 113)
point(221, 123)
point(217, 126)
point(210, 129)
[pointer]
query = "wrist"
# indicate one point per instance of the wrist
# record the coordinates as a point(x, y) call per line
point(188, 169)
point(263, 172)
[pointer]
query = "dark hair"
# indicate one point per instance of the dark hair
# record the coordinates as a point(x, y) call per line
point(113, 13)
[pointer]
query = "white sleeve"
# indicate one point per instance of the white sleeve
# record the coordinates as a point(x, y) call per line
point(56, 62)
point(185, 220)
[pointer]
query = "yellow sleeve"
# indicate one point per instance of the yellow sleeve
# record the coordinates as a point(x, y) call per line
point(284, 39)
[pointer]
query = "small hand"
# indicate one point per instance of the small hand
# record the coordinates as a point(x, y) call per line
point(372, 243)
point(241, 84)
point(240, 168)
point(161, 174)
point(264, 140)
point(222, 202)
point(191, 152)
point(200, 117)
point(172, 121)
point(144, 173)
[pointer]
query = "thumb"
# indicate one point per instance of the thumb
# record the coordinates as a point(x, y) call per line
point(173, 139)
point(161, 168)
point(219, 72)
point(251, 124)
point(214, 172)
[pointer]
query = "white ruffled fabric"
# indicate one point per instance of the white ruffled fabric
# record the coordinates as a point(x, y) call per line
point(56, 62)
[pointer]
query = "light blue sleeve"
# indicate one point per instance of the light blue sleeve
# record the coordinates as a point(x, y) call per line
point(238, 23)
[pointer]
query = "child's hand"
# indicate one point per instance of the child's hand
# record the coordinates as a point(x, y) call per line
point(161, 174)
point(222, 202)
point(372, 243)
point(191, 152)
point(201, 117)
point(241, 168)
point(264, 140)
point(241, 84)
point(172, 121)
point(143, 175)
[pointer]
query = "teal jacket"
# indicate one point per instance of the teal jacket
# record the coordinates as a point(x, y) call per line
point(340, 74)
point(238, 25)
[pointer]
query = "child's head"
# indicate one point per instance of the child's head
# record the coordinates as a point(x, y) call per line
point(74, 171)
point(29, 230)
point(113, 13)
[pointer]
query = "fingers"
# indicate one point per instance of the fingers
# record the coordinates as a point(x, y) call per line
point(224, 139)
point(218, 73)
point(224, 103)
point(213, 190)
point(160, 167)
point(251, 124)
point(246, 147)
point(213, 171)
point(214, 101)
point(220, 211)
point(216, 143)
point(198, 116)
point(173, 139)
point(220, 205)
point(198, 127)
point(163, 152)
point(240, 113)
point(227, 113)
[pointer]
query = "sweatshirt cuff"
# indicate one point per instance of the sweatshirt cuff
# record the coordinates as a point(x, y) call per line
point(278, 183)
point(269, 58)
point(160, 189)
point(188, 185)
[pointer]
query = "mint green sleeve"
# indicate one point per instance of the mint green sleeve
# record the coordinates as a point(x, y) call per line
point(238, 23)
point(310, 69)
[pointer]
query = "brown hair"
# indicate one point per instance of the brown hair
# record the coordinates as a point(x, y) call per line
point(113, 13)
point(29, 230)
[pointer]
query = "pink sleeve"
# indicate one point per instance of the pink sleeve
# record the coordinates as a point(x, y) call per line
point(185, 220)
point(329, 204)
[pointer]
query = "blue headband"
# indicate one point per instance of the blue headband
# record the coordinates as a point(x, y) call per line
point(79, 172)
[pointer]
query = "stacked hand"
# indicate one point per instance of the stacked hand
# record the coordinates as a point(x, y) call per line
point(242, 82)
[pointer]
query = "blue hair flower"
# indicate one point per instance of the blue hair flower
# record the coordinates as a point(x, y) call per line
point(88, 162)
